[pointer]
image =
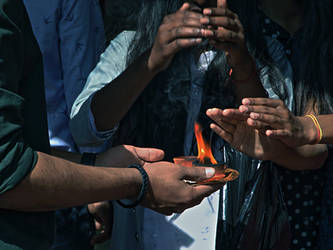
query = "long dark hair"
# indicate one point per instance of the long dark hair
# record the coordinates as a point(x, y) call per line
point(160, 111)
point(314, 80)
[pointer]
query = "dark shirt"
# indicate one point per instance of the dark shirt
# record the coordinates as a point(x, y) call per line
point(302, 190)
point(23, 126)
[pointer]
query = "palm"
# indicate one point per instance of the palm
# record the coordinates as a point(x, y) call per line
point(253, 143)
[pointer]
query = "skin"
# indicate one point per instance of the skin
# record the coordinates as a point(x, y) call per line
point(71, 184)
point(231, 125)
point(244, 128)
point(283, 125)
point(178, 31)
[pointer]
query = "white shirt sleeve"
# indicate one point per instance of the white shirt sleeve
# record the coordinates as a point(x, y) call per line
point(112, 63)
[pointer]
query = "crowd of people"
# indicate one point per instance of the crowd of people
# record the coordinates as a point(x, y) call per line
point(97, 97)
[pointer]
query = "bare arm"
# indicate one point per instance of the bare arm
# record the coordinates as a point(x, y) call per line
point(179, 30)
point(231, 125)
point(55, 183)
point(279, 123)
point(229, 36)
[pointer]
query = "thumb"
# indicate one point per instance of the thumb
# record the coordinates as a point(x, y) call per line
point(149, 154)
point(185, 6)
point(198, 173)
point(222, 3)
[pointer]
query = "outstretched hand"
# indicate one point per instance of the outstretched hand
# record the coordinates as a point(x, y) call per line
point(124, 155)
point(278, 122)
point(230, 124)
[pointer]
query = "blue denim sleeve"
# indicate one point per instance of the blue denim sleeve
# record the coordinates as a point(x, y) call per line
point(112, 63)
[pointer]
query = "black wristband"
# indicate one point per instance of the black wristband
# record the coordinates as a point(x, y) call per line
point(88, 159)
point(144, 187)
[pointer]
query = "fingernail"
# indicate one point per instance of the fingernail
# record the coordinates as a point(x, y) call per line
point(243, 108)
point(246, 101)
point(254, 115)
point(207, 11)
point(209, 111)
point(210, 172)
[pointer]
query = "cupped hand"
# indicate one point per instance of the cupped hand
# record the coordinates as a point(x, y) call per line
point(228, 33)
point(179, 30)
point(278, 122)
point(124, 155)
point(169, 193)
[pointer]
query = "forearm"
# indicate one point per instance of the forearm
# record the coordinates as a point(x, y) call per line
point(301, 158)
point(55, 183)
point(117, 97)
point(245, 81)
point(325, 122)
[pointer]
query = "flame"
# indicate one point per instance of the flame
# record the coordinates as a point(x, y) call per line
point(205, 154)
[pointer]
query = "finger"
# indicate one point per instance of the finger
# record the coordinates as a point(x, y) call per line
point(235, 114)
point(149, 154)
point(278, 134)
point(230, 116)
point(219, 12)
point(197, 173)
point(257, 124)
point(272, 120)
point(263, 102)
point(225, 22)
point(184, 7)
point(222, 133)
point(222, 4)
point(259, 110)
point(188, 32)
point(181, 43)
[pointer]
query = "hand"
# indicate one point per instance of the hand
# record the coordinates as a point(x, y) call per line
point(124, 155)
point(169, 193)
point(278, 122)
point(228, 34)
point(180, 30)
point(230, 124)
point(101, 212)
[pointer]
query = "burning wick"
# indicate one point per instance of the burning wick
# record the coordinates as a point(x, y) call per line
point(205, 155)
point(205, 158)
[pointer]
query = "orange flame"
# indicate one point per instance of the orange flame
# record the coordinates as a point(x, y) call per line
point(205, 154)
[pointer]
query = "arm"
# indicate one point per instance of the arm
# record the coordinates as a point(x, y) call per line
point(231, 126)
point(70, 184)
point(283, 125)
point(229, 36)
point(178, 31)
point(28, 178)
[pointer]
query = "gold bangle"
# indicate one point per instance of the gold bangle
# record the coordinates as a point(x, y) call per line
point(317, 125)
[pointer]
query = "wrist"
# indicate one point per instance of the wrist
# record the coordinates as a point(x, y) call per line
point(243, 71)
point(141, 186)
point(310, 133)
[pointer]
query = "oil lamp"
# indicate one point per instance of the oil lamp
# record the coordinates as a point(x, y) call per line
point(205, 158)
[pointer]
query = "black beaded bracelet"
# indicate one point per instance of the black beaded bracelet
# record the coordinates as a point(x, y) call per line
point(144, 187)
